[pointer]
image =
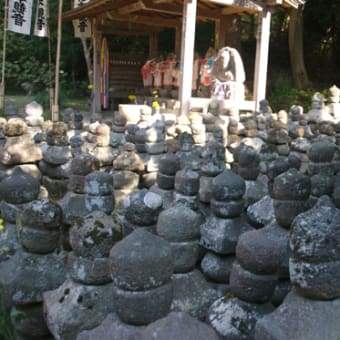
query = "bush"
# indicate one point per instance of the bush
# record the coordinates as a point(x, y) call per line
point(6, 329)
point(284, 95)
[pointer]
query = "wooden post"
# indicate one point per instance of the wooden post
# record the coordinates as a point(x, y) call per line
point(187, 54)
point(4, 41)
point(261, 61)
point(50, 72)
point(55, 107)
point(178, 38)
point(219, 34)
point(96, 106)
point(153, 44)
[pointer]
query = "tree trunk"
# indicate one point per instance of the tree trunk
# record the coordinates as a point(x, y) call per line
point(87, 48)
point(295, 43)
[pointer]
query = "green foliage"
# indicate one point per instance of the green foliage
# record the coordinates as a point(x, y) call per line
point(27, 71)
point(283, 95)
point(17, 315)
point(6, 329)
point(27, 56)
point(322, 40)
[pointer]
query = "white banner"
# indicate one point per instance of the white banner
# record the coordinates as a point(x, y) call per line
point(82, 27)
point(40, 25)
point(19, 16)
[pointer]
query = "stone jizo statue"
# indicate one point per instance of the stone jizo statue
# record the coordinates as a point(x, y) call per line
point(228, 74)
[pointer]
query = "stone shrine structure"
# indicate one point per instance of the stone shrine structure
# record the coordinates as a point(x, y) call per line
point(232, 236)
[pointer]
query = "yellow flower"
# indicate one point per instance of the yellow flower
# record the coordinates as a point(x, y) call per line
point(155, 104)
point(89, 86)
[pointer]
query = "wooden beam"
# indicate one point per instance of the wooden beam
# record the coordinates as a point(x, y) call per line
point(134, 7)
point(262, 51)
point(116, 31)
point(92, 9)
point(233, 10)
point(284, 3)
point(174, 9)
point(294, 3)
point(245, 4)
point(167, 8)
point(187, 54)
point(127, 26)
point(273, 2)
point(144, 19)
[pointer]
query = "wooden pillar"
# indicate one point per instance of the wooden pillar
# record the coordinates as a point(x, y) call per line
point(55, 106)
point(178, 42)
point(153, 45)
point(228, 33)
point(4, 43)
point(219, 34)
point(262, 52)
point(96, 105)
point(187, 54)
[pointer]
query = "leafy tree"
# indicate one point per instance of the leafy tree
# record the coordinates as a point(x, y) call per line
point(322, 40)
point(27, 58)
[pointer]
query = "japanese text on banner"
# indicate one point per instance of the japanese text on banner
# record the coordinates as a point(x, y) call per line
point(82, 26)
point(40, 25)
point(19, 16)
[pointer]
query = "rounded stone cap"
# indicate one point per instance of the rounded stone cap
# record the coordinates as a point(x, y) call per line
point(129, 147)
point(315, 235)
point(142, 207)
point(187, 181)
point(42, 213)
point(169, 164)
point(178, 224)
point(228, 186)
point(141, 261)
point(19, 188)
point(322, 152)
point(291, 185)
point(262, 251)
point(98, 183)
point(94, 235)
point(83, 164)
point(178, 325)
point(15, 127)
point(245, 154)
point(277, 167)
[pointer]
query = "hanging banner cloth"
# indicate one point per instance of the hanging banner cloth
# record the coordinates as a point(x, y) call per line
point(82, 27)
point(19, 16)
point(104, 74)
point(40, 25)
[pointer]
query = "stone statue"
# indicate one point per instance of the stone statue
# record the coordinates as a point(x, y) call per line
point(228, 74)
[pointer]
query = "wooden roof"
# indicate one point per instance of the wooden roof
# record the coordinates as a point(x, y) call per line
point(166, 13)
